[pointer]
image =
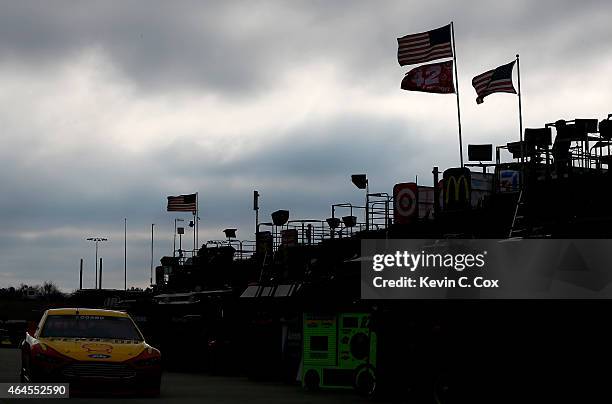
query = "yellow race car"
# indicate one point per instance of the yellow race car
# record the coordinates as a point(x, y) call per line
point(93, 350)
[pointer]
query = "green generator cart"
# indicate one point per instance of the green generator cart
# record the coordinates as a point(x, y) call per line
point(339, 352)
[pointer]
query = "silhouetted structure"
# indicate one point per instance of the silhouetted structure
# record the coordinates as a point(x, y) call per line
point(247, 298)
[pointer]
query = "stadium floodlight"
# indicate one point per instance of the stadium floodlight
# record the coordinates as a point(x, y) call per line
point(96, 240)
point(230, 233)
point(361, 182)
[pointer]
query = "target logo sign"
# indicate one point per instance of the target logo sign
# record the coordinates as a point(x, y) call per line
point(405, 202)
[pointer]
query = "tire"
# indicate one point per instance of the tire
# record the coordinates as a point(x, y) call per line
point(153, 390)
point(25, 376)
point(442, 391)
point(365, 381)
point(312, 382)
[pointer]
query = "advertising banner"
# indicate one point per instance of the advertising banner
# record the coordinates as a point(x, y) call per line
point(457, 189)
point(405, 202)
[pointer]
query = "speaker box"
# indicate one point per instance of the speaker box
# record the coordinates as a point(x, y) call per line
point(480, 152)
point(349, 221)
point(538, 137)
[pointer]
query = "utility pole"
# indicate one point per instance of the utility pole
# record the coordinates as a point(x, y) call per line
point(152, 239)
point(174, 242)
point(81, 275)
point(256, 209)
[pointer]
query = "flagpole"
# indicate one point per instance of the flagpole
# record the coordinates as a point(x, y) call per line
point(518, 71)
point(125, 253)
point(152, 241)
point(457, 92)
point(195, 224)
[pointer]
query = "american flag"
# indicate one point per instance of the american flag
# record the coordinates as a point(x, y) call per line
point(182, 203)
point(425, 46)
point(494, 81)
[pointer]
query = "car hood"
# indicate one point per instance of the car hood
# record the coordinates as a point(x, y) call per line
point(106, 350)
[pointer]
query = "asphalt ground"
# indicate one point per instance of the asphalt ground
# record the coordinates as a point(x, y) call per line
point(193, 388)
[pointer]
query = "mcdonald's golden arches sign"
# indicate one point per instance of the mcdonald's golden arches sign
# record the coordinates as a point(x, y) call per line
point(457, 189)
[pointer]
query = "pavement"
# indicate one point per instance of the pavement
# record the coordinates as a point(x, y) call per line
point(193, 388)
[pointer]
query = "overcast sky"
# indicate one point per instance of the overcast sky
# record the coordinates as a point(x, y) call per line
point(107, 107)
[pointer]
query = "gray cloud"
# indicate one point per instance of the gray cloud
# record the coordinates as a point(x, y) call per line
point(235, 48)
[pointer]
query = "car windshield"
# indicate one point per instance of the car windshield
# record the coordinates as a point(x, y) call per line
point(90, 327)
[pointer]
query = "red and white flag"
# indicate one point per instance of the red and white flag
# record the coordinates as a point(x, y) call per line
point(431, 78)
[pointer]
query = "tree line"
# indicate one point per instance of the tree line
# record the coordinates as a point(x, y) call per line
point(48, 290)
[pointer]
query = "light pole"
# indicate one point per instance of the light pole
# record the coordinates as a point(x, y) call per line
point(96, 240)
point(180, 231)
point(193, 225)
point(279, 218)
point(174, 243)
point(256, 209)
point(152, 227)
point(361, 182)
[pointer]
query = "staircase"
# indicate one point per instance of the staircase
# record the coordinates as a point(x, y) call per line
point(518, 228)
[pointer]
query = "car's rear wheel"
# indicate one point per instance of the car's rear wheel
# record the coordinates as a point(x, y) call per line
point(311, 380)
point(365, 381)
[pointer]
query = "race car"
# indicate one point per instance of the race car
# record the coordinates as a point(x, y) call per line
point(93, 350)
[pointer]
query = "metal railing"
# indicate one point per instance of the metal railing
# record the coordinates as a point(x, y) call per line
point(244, 248)
point(378, 211)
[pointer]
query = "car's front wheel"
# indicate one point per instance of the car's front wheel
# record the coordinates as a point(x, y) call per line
point(153, 388)
point(23, 377)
